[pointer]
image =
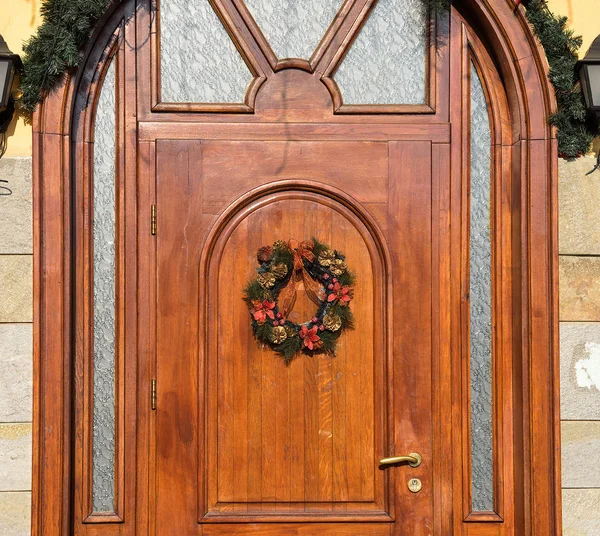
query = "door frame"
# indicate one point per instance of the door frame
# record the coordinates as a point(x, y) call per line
point(520, 60)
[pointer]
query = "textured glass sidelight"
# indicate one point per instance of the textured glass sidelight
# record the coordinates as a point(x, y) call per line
point(104, 235)
point(387, 62)
point(293, 28)
point(199, 62)
point(481, 299)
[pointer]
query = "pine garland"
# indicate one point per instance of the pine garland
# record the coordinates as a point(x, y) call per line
point(438, 5)
point(56, 47)
point(67, 25)
point(561, 45)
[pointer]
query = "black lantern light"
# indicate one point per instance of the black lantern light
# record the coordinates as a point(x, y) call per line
point(9, 65)
point(589, 74)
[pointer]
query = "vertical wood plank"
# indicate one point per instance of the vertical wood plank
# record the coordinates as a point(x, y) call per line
point(179, 237)
point(410, 227)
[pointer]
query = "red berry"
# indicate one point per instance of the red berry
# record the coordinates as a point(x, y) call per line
point(325, 276)
point(282, 322)
point(334, 279)
point(315, 320)
point(275, 323)
point(279, 315)
point(321, 327)
point(330, 286)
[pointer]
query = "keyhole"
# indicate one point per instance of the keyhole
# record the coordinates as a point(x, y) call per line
point(415, 485)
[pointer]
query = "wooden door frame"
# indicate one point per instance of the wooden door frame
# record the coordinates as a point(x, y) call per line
point(532, 146)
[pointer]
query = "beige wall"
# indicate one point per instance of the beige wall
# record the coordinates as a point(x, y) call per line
point(580, 309)
point(579, 246)
point(18, 20)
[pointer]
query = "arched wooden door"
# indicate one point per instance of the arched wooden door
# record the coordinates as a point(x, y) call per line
point(415, 146)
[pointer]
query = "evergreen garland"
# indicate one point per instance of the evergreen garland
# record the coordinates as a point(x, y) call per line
point(438, 5)
point(57, 45)
point(67, 25)
point(561, 45)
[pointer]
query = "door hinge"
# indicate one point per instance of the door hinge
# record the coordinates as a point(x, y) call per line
point(153, 393)
point(153, 220)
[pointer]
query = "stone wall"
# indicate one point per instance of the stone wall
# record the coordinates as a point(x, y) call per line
point(579, 246)
point(16, 309)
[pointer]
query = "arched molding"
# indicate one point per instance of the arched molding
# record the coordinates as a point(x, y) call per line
point(272, 198)
point(332, 196)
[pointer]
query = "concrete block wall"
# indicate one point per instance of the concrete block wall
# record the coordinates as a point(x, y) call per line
point(16, 309)
point(579, 273)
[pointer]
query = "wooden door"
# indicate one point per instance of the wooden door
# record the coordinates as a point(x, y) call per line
point(184, 424)
point(241, 437)
point(241, 442)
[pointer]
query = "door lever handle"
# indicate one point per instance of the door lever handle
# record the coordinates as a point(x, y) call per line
point(414, 460)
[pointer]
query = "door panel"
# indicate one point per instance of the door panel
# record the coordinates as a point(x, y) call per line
point(240, 436)
point(298, 439)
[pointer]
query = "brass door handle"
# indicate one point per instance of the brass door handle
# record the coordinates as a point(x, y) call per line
point(414, 460)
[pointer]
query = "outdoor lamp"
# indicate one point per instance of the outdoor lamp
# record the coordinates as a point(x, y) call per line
point(589, 74)
point(9, 64)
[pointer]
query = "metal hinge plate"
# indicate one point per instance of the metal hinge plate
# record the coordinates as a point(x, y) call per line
point(153, 393)
point(153, 220)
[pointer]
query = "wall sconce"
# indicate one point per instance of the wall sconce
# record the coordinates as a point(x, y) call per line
point(10, 64)
point(589, 76)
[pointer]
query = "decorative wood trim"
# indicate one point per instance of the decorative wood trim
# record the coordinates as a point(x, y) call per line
point(278, 64)
point(503, 267)
point(431, 69)
point(501, 317)
point(84, 287)
point(435, 132)
point(239, 37)
point(52, 332)
point(382, 509)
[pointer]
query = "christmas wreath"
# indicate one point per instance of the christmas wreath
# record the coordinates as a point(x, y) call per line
point(272, 293)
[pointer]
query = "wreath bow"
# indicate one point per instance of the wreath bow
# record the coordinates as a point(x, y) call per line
point(316, 293)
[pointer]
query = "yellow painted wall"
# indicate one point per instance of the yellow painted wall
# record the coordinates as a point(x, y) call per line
point(584, 18)
point(19, 19)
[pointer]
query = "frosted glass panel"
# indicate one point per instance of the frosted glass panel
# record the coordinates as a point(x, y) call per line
point(387, 62)
point(293, 28)
point(104, 233)
point(199, 62)
point(481, 299)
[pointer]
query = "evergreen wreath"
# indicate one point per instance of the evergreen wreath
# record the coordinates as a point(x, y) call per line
point(271, 295)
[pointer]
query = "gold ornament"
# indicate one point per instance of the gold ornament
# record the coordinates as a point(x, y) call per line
point(332, 322)
point(280, 244)
point(278, 335)
point(266, 280)
point(326, 257)
point(290, 331)
point(279, 270)
point(338, 267)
